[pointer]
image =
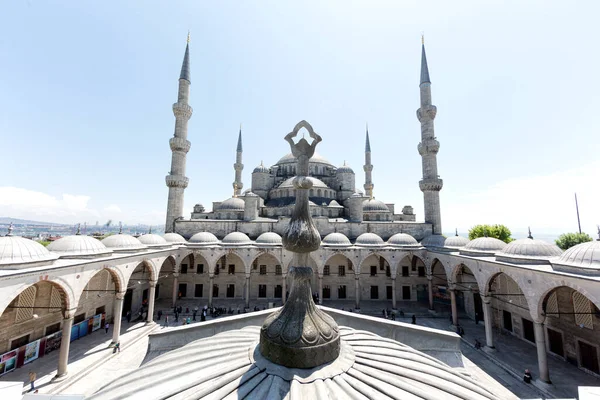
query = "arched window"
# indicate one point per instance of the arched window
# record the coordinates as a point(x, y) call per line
point(312, 192)
point(319, 194)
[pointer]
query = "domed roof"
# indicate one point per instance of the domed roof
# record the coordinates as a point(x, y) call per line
point(317, 183)
point(344, 169)
point(316, 158)
point(123, 242)
point(16, 250)
point(175, 238)
point(369, 239)
point(79, 246)
point(456, 241)
point(336, 239)
point(402, 239)
point(374, 205)
point(261, 168)
point(581, 259)
point(482, 247)
point(151, 239)
point(236, 238)
point(434, 241)
point(230, 365)
point(335, 204)
point(528, 251)
point(204, 238)
point(232, 204)
point(269, 238)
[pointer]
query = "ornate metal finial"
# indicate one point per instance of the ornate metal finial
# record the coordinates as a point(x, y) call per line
point(484, 232)
point(188, 37)
point(423, 38)
point(456, 230)
point(10, 229)
point(150, 230)
point(120, 227)
point(261, 163)
point(78, 229)
point(300, 335)
point(529, 236)
point(235, 187)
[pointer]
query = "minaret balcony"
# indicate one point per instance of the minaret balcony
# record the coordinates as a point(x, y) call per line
point(431, 185)
point(180, 144)
point(426, 113)
point(182, 110)
point(177, 181)
point(428, 146)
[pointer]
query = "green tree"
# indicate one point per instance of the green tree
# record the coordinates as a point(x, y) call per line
point(496, 231)
point(568, 240)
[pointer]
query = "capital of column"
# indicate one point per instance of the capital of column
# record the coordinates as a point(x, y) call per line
point(69, 314)
point(152, 283)
point(120, 295)
point(486, 299)
point(176, 274)
point(430, 277)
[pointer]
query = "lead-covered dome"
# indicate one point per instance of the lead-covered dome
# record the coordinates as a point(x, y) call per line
point(438, 241)
point(204, 238)
point(374, 205)
point(236, 239)
point(79, 246)
point(269, 239)
point(317, 183)
point(123, 243)
point(336, 239)
point(402, 240)
point(344, 169)
point(483, 247)
point(316, 158)
point(528, 251)
point(456, 242)
point(18, 252)
point(232, 204)
point(151, 239)
point(261, 169)
point(581, 259)
point(174, 238)
point(369, 239)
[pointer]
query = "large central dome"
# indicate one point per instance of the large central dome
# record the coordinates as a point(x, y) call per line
point(316, 158)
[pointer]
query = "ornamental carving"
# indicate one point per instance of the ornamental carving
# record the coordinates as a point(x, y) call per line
point(431, 185)
point(428, 146)
point(177, 181)
point(426, 112)
point(179, 144)
point(182, 110)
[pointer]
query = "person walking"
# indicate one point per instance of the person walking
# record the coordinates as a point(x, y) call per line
point(414, 319)
point(106, 328)
point(166, 320)
point(32, 377)
point(128, 316)
point(194, 313)
point(159, 314)
point(117, 348)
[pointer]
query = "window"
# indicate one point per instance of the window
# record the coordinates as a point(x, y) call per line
point(50, 329)
point(406, 292)
point(387, 271)
point(326, 270)
point(200, 269)
point(405, 271)
point(374, 292)
point(278, 271)
point(263, 269)
point(342, 292)
point(262, 291)
point(230, 290)
point(16, 343)
point(198, 290)
point(373, 270)
point(100, 310)
point(278, 291)
point(421, 271)
point(350, 265)
point(184, 268)
point(413, 268)
point(231, 269)
point(255, 265)
point(389, 293)
point(217, 268)
point(342, 270)
point(215, 290)
point(326, 292)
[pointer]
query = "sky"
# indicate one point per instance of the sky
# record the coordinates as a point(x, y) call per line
point(86, 90)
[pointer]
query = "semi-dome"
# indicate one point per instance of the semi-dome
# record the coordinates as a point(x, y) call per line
point(528, 251)
point(317, 183)
point(483, 247)
point(581, 259)
point(236, 239)
point(434, 241)
point(456, 241)
point(18, 252)
point(269, 239)
point(232, 204)
point(369, 239)
point(336, 239)
point(316, 158)
point(79, 246)
point(204, 238)
point(401, 240)
point(174, 238)
point(123, 242)
point(374, 205)
point(229, 365)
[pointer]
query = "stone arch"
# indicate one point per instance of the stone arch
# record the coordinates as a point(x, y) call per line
point(435, 268)
point(329, 256)
point(185, 256)
point(222, 261)
point(362, 259)
point(143, 266)
point(543, 297)
point(115, 275)
point(170, 260)
point(514, 293)
point(267, 254)
point(459, 270)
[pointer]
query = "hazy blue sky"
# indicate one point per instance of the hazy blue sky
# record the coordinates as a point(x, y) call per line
point(86, 89)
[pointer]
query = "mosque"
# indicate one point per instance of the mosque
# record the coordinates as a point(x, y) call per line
point(369, 253)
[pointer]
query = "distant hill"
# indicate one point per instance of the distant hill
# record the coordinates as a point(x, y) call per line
point(17, 221)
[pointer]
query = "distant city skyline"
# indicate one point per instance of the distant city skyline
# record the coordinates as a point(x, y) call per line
point(87, 114)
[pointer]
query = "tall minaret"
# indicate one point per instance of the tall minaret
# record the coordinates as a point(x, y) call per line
point(368, 167)
point(431, 184)
point(176, 180)
point(238, 167)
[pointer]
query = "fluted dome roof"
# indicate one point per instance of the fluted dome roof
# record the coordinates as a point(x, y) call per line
point(317, 183)
point(528, 251)
point(236, 238)
point(456, 241)
point(483, 246)
point(374, 205)
point(402, 239)
point(123, 242)
point(79, 246)
point(174, 238)
point(152, 240)
point(434, 241)
point(316, 158)
point(269, 238)
point(229, 365)
point(18, 251)
point(581, 259)
point(261, 168)
point(232, 204)
point(369, 239)
point(204, 238)
point(344, 169)
point(336, 239)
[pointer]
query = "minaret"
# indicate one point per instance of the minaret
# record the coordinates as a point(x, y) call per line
point(431, 184)
point(368, 167)
point(238, 167)
point(176, 180)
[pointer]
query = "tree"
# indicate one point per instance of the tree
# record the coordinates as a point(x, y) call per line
point(568, 240)
point(496, 231)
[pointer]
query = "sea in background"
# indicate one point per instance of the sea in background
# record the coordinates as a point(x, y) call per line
point(546, 237)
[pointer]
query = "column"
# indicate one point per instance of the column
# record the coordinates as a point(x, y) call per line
point(283, 288)
point(487, 320)
point(320, 289)
point(430, 285)
point(540, 342)
point(247, 295)
point(175, 287)
point(151, 295)
point(65, 342)
point(210, 290)
point(454, 311)
point(393, 293)
point(357, 291)
point(117, 316)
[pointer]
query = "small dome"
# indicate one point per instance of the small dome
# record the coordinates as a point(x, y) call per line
point(336, 239)
point(78, 246)
point(248, 193)
point(334, 204)
point(528, 251)
point(236, 238)
point(17, 250)
point(152, 240)
point(374, 205)
point(456, 241)
point(369, 239)
point(204, 238)
point(232, 204)
point(483, 247)
point(581, 259)
point(434, 241)
point(317, 183)
point(261, 169)
point(123, 242)
point(174, 238)
point(402, 239)
point(344, 169)
point(269, 238)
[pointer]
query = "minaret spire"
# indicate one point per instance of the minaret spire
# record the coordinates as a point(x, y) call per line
point(176, 180)
point(238, 166)
point(368, 167)
point(431, 184)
